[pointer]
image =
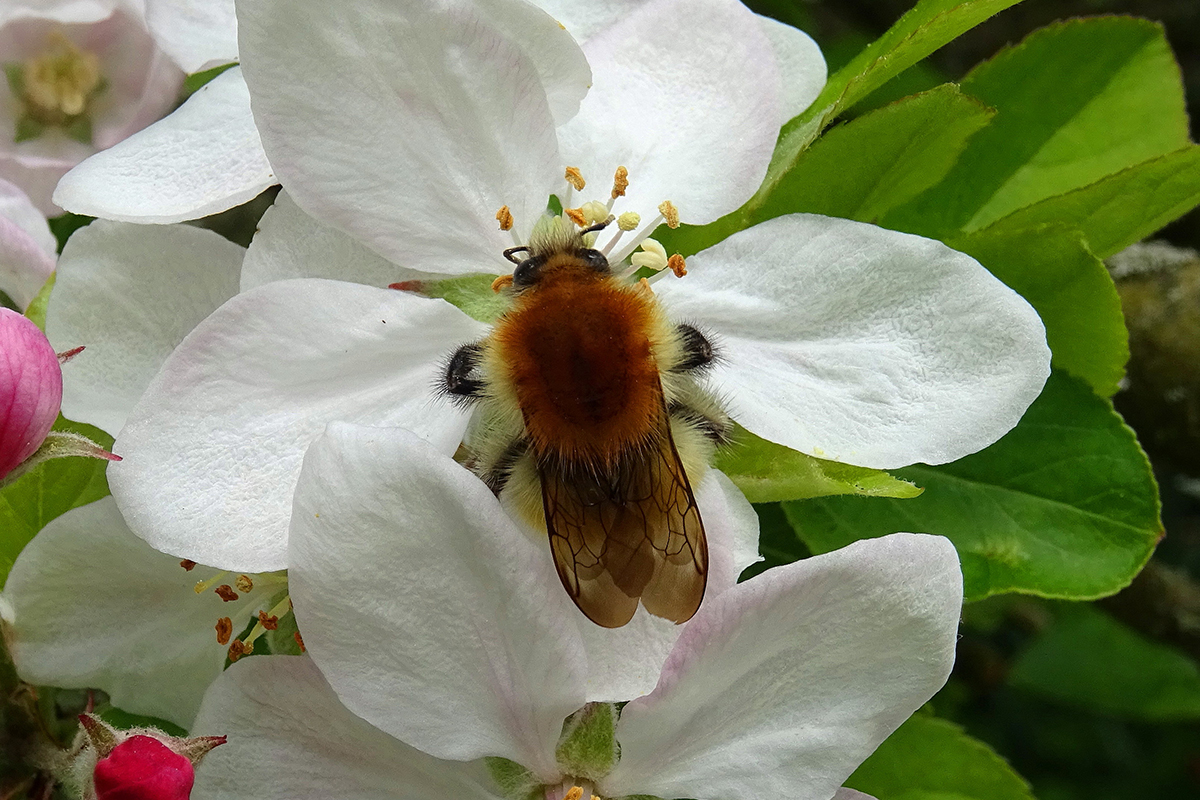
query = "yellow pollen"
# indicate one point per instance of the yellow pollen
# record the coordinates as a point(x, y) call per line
point(576, 215)
point(594, 211)
point(244, 583)
point(670, 213)
point(575, 178)
point(504, 217)
point(677, 265)
point(224, 630)
point(575, 793)
point(60, 81)
point(620, 183)
point(501, 283)
point(629, 220)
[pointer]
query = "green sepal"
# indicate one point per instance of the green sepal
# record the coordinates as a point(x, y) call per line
point(36, 312)
point(14, 73)
point(588, 745)
point(514, 781)
point(28, 129)
point(767, 472)
point(79, 129)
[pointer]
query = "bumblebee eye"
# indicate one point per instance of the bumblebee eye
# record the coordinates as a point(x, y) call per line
point(528, 271)
point(594, 259)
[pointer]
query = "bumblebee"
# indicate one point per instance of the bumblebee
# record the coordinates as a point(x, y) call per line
point(590, 422)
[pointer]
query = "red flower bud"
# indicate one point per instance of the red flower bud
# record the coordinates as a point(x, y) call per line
point(30, 389)
point(142, 768)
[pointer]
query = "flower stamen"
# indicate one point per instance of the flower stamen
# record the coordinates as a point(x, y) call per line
point(670, 213)
point(203, 586)
point(575, 178)
point(505, 218)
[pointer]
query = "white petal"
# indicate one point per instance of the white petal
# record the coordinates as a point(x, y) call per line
point(862, 345)
point(624, 663)
point(801, 66)
point(198, 35)
point(693, 114)
point(17, 208)
point(95, 607)
point(585, 20)
point(213, 449)
point(851, 794)
point(413, 138)
point(204, 158)
point(290, 739)
point(67, 11)
point(432, 616)
point(784, 684)
point(129, 294)
point(291, 244)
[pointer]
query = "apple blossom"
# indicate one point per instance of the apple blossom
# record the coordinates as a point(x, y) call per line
point(30, 389)
point(779, 686)
point(81, 77)
point(840, 339)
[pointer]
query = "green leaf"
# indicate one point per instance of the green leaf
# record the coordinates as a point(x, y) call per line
point(197, 79)
point(1063, 506)
point(869, 166)
point(1123, 208)
point(931, 759)
point(48, 490)
point(1077, 101)
point(472, 294)
point(1089, 660)
point(767, 472)
point(64, 225)
point(1071, 289)
point(36, 312)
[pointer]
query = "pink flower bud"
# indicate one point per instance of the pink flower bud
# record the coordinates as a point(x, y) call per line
point(30, 389)
point(142, 768)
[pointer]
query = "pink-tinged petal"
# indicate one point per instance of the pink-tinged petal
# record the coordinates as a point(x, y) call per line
point(412, 139)
point(37, 166)
point(30, 389)
point(129, 294)
point(785, 683)
point(141, 83)
point(291, 244)
point(84, 573)
point(473, 652)
point(624, 663)
point(204, 158)
point(198, 35)
point(858, 344)
point(17, 208)
point(801, 66)
point(693, 114)
point(213, 449)
point(24, 265)
point(290, 739)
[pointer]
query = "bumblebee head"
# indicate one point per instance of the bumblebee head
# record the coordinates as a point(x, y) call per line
point(555, 243)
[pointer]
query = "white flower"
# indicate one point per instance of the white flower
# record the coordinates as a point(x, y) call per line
point(82, 76)
point(841, 339)
point(27, 247)
point(779, 687)
point(95, 607)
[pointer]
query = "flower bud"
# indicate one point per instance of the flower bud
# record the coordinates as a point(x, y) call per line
point(140, 764)
point(30, 389)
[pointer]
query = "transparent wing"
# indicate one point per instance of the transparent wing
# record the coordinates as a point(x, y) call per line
point(627, 533)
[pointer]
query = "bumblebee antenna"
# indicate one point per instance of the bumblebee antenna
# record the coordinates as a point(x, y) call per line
point(599, 226)
point(512, 251)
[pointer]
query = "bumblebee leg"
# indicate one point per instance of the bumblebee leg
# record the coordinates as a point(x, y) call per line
point(696, 352)
point(496, 474)
point(712, 422)
point(461, 378)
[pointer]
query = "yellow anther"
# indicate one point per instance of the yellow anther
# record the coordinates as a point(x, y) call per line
point(501, 283)
point(670, 213)
point(620, 183)
point(504, 217)
point(60, 80)
point(677, 265)
point(574, 793)
point(576, 215)
point(652, 255)
point(594, 211)
point(575, 178)
point(629, 220)
point(244, 583)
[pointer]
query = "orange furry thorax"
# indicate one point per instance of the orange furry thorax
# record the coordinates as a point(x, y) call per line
point(579, 352)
